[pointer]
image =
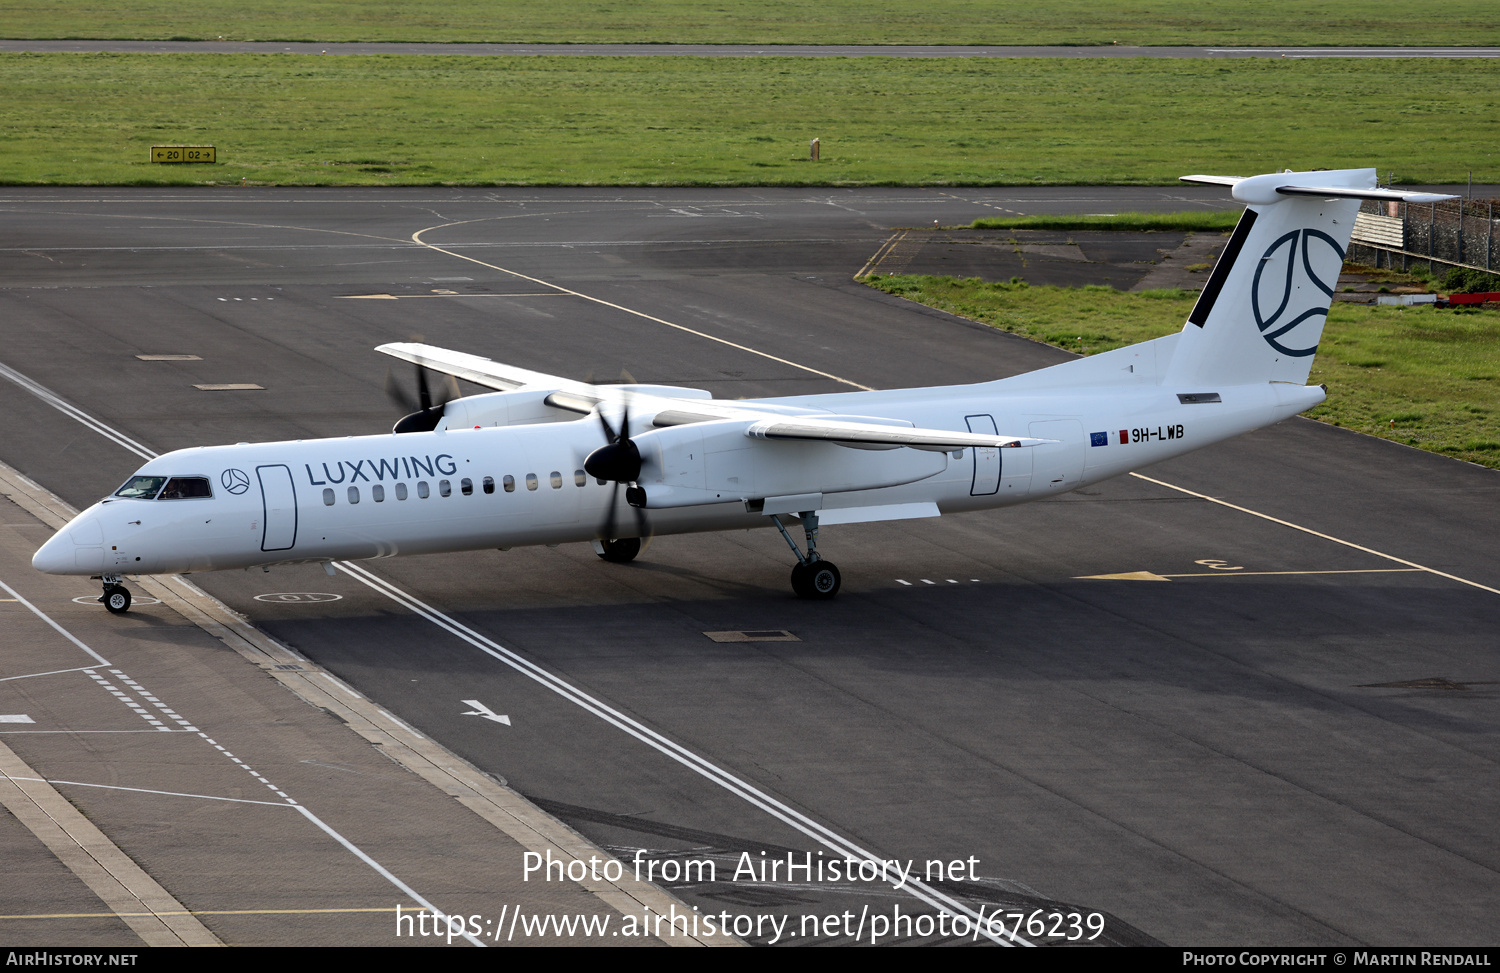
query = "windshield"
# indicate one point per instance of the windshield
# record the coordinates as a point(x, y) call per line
point(186, 488)
point(141, 487)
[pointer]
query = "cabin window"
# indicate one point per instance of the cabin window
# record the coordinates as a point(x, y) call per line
point(422, 490)
point(328, 496)
point(489, 484)
point(445, 489)
point(531, 481)
point(580, 478)
point(141, 487)
point(466, 487)
point(556, 480)
point(602, 482)
point(186, 488)
point(510, 484)
point(354, 494)
point(377, 493)
point(400, 491)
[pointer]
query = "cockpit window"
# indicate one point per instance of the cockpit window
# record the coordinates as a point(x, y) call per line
point(141, 487)
point(186, 488)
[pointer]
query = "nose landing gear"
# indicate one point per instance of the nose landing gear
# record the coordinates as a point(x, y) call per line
point(812, 577)
point(116, 596)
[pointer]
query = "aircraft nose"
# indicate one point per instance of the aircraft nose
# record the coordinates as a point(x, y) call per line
point(76, 549)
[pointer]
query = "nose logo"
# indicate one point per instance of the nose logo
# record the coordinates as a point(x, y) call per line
point(1301, 285)
point(235, 481)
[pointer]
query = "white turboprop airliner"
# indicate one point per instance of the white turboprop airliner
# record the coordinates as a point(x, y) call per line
point(541, 460)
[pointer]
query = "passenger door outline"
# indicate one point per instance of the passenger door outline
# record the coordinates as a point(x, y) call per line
point(986, 481)
point(278, 498)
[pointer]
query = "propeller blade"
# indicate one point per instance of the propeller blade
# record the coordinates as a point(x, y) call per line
point(424, 398)
point(607, 532)
point(397, 394)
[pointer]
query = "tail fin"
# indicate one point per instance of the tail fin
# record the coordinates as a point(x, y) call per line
point(1261, 314)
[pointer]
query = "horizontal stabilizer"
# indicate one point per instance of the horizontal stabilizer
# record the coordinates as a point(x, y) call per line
point(1265, 189)
point(1212, 180)
point(1392, 195)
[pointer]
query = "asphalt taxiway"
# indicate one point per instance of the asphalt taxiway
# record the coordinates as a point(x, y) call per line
point(1290, 741)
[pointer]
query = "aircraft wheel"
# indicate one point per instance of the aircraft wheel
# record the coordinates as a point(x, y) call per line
point(116, 599)
point(619, 551)
point(817, 581)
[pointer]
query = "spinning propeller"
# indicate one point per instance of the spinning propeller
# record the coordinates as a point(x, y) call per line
point(425, 412)
point(619, 461)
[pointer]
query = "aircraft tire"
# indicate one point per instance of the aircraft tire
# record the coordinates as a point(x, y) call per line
point(621, 551)
point(818, 581)
point(116, 599)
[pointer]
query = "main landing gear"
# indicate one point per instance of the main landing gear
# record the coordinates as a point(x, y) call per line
point(116, 596)
point(812, 577)
point(618, 551)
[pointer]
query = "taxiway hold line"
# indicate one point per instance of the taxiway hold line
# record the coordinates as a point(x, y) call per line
point(657, 741)
point(1327, 537)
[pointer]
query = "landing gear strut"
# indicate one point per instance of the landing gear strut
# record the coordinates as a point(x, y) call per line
point(812, 577)
point(116, 596)
point(618, 551)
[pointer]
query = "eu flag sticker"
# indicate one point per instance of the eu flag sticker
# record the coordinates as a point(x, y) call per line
point(1098, 439)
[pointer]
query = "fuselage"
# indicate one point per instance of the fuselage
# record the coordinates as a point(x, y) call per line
point(505, 486)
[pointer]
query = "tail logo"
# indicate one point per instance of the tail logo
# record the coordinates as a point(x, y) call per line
point(1301, 289)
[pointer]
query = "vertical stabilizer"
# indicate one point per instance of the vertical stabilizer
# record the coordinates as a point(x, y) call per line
point(1260, 316)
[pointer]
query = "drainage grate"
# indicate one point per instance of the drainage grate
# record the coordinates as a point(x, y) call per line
point(231, 387)
point(169, 357)
point(754, 635)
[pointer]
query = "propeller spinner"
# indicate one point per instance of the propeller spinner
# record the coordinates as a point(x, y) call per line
point(619, 461)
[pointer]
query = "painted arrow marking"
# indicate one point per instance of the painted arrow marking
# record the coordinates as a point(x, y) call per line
point(484, 711)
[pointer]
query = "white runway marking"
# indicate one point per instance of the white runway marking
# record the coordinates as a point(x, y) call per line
point(417, 238)
point(147, 790)
point(1326, 537)
point(44, 617)
point(49, 672)
point(662, 744)
point(146, 714)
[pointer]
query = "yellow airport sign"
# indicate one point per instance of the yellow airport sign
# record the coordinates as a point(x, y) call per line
point(182, 153)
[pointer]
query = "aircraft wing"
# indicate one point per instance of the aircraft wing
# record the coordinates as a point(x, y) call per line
point(877, 436)
point(680, 406)
point(480, 371)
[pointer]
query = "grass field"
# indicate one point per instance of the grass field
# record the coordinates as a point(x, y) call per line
point(91, 118)
point(1187, 22)
point(1435, 374)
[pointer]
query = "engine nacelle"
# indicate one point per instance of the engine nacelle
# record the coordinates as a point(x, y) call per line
point(519, 408)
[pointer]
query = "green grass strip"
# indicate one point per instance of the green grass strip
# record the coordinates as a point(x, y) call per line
point(1209, 221)
point(1186, 22)
point(1434, 373)
point(408, 120)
